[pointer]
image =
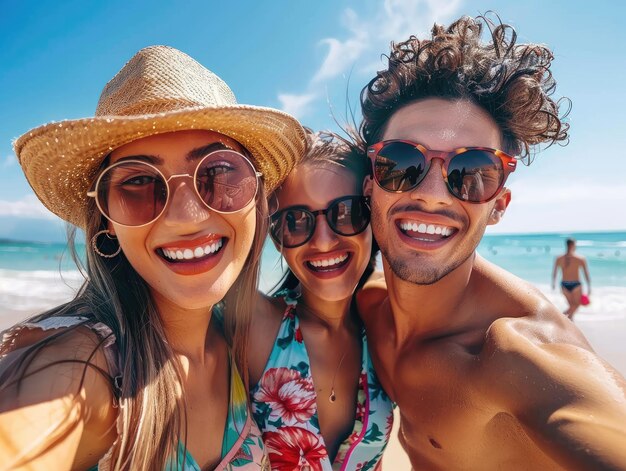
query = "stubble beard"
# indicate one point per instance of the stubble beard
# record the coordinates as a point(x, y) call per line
point(408, 267)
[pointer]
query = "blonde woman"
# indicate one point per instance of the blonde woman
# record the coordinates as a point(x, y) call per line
point(168, 182)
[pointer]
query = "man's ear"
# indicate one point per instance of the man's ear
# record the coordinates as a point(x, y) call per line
point(502, 202)
point(367, 186)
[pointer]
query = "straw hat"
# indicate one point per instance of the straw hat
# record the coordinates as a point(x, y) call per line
point(159, 90)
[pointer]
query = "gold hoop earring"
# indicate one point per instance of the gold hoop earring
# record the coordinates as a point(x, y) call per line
point(94, 244)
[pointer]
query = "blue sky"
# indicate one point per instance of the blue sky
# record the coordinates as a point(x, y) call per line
point(306, 57)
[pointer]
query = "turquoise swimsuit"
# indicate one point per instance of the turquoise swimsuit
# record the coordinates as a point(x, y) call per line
point(284, 405)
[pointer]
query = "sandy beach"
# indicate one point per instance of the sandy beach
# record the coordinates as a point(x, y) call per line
point(603, 323)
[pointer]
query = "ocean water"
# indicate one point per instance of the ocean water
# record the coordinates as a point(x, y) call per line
point(36, 276)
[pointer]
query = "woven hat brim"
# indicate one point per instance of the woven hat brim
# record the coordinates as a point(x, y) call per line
point(61, 159)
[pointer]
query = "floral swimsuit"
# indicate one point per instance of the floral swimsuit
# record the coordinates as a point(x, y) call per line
point(284, 405)
point(242, 447)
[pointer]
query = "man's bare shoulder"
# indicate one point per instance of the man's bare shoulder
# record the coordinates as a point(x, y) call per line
point(531, 362)
point(526, 317)
point(370, 297)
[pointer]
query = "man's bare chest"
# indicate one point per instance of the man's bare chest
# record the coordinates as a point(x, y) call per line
point(447, 420)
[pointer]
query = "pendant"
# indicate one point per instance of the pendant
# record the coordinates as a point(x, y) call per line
point(332, 398)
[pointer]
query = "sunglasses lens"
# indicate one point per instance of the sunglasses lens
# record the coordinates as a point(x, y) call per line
point(292, 227)
point(475, 176)
point(399, 166)
point(131, 193)
point(226, 181)
point(349, 216)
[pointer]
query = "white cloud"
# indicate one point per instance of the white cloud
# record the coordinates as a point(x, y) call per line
point(368, 38)
point(296, 105)
point(342, 54)
point(27, 207)
point(405, 17)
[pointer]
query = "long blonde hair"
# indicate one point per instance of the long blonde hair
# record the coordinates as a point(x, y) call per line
point(151, 415)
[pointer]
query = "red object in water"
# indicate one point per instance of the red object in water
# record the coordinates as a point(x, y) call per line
point(584, 300)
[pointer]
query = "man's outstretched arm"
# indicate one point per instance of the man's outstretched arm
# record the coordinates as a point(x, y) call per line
point(569, 402)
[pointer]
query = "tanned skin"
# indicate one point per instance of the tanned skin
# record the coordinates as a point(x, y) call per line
point(331, 333)
point(487, 374)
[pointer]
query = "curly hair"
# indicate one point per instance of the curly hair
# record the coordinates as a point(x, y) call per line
point(512, 82)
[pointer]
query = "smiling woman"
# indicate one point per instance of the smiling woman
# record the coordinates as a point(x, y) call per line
point(315, 394)
point(168, 181)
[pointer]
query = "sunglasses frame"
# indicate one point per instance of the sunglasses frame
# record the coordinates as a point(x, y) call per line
point(362, 200)
point(94, 193)
point(509, 164)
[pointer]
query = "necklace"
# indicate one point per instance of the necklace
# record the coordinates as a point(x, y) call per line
point(332, 397)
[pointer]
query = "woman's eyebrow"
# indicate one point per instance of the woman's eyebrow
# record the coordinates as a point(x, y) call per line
point(152, 159)
point(200, 152)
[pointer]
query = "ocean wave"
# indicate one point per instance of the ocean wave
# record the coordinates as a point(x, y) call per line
point(607, 303)
point(31, 291)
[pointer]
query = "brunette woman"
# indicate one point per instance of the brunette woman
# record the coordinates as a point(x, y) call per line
point(168, 182)
point(314, 392)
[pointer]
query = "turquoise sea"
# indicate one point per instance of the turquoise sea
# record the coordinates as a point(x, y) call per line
point(37, 275)
point(529, 256)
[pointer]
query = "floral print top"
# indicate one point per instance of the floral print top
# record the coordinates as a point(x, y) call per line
point(284, 405)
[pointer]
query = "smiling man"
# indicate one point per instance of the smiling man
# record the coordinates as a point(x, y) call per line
point(486, 372)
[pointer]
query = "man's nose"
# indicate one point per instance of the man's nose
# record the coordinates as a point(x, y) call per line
point(433, 189)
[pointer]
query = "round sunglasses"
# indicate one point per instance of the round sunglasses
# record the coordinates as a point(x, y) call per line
point(472, 174)
point(294, 226)
point(134, 193)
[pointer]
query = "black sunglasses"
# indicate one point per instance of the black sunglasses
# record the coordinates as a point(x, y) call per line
point(294, 226)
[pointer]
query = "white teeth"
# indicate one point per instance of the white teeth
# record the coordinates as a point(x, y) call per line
point(328, 261)
point(188, 254)
point(423, 228)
